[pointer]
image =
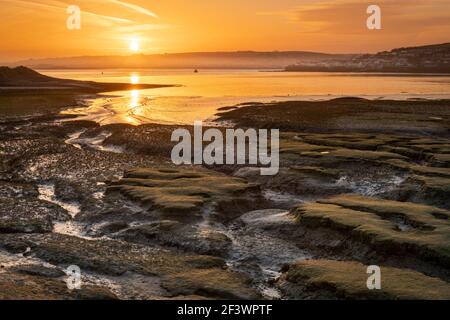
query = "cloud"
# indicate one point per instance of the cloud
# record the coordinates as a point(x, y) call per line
point(136, 8)
point(340, 25)
point(349, 17)
point(142, 27)
point(110, 18)
point(60, 5)
point(34, 3)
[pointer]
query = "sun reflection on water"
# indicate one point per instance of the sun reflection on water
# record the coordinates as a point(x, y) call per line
point(134, 101)
point(201, 95)
point(135, 107)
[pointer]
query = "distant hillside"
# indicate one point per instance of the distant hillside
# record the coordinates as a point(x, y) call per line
point(15, 75)
point(435, 48)
point(196, 60)
point(423, 59)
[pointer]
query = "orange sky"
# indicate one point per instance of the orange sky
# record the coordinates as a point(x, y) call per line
point(37, 28)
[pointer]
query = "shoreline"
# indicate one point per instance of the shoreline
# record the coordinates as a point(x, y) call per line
point(283, 100)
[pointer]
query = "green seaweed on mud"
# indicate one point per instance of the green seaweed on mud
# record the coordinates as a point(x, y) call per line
point(332, 279)
point(180, 189)
point(303, 147)
point(16, 286)
point(181, 273)
point(388, 226)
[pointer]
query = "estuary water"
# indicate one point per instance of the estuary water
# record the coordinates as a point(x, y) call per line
point(198, 96)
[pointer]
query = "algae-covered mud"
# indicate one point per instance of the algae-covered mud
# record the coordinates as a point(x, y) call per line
point(360, 183)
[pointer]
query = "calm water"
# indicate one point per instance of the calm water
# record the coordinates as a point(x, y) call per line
point(200, 94)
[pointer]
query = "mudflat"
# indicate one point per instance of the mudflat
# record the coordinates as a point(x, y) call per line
point(361, 183)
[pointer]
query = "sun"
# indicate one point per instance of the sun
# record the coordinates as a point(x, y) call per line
point(135, 45)
point(134, 78)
